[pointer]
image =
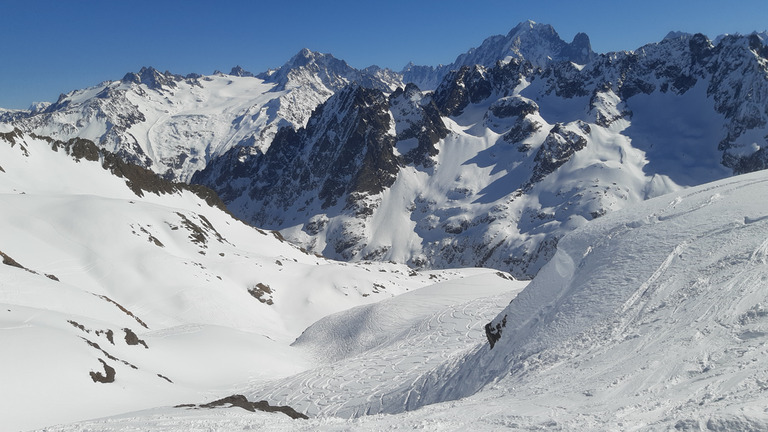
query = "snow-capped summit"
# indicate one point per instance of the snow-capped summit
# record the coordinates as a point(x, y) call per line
point(537, 43)
point(37, 107)
point(307, 67)
point(529, 41)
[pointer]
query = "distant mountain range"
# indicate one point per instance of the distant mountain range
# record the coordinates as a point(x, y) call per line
point(487, 161)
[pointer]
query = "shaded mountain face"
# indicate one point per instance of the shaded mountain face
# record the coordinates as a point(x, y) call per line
point(523, 139)
point(335, 167)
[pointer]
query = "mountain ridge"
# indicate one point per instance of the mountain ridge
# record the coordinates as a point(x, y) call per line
point(512, 128)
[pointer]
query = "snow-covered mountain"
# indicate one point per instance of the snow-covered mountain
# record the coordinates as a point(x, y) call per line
point(516, 156)
point(175, 124)
point(535, 42)
point(120, 290)
point(516, 143)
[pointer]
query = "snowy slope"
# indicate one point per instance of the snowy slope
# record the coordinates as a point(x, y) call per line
point(168, 123)
point(650, 318)
point(162, 296)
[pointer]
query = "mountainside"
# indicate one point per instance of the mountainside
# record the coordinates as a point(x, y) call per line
point(516, 143)
point(621, 184)
point(120, 290)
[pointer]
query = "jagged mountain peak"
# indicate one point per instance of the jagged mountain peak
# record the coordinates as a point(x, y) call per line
point(305, 56)
point(152, 78)
point(239, 71)
point(529, 26)
point(312, 68)
point(305, 59)
point(529, 41)
point(677, 35)
point(538, 43)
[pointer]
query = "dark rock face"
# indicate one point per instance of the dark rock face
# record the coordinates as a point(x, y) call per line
point(580, 50)
point(561, 144)
point(241, 401)
point(513, 107)
point(417, 117)
point(132, 339)
point(238, 71)
point(343, 149)
point(493, 332)
point(460, 88)
point(107, 377)
point(343, 154)
point(471, 85)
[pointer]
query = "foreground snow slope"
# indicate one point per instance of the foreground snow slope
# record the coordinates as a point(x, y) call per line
point(652, 318)
point(649, 316)
point(159, 295)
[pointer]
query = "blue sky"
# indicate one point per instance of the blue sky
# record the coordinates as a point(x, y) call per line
point(55, 46)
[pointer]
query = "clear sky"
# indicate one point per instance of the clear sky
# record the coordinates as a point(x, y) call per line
point(48, 47)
